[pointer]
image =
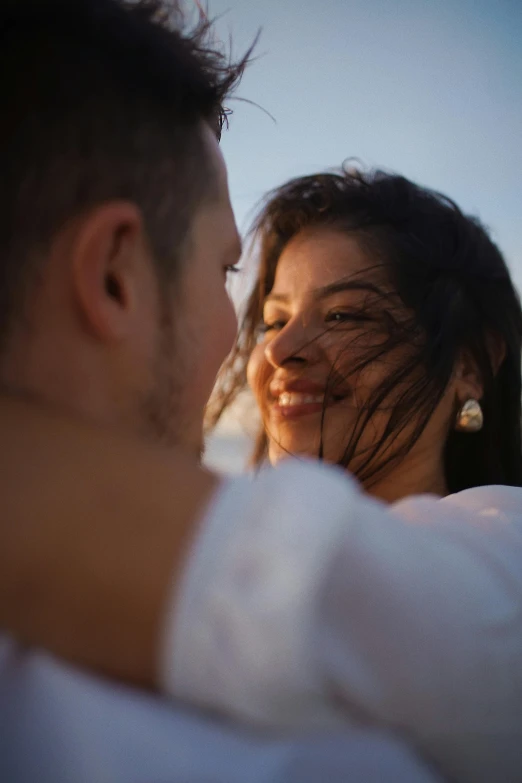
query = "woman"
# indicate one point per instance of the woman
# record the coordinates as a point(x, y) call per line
point(384, 335)
point(388, 318)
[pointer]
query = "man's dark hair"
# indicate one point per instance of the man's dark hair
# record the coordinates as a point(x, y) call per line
point(102, 100)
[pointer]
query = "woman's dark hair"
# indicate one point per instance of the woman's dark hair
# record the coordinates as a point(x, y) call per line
point(456, 299)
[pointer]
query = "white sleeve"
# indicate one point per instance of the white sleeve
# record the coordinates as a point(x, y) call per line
point(306, 602)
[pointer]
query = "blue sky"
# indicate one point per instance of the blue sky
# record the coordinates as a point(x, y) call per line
point(429, 88)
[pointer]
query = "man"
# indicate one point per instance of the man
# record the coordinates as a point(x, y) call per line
point(116, 238)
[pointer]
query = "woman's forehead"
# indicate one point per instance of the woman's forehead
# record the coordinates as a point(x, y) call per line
point(320, 257)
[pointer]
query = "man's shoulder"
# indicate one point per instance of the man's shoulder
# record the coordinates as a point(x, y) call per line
point(59, 724)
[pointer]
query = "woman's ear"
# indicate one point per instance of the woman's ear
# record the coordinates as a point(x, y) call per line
point(469, 383)
point(496, 350)
point(467, 379)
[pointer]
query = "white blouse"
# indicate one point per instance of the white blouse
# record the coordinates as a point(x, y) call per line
point(308, 603)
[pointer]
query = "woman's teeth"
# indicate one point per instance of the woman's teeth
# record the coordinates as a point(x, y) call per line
point(287, 399)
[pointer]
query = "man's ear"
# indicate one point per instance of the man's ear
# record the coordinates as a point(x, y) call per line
point(106, 249)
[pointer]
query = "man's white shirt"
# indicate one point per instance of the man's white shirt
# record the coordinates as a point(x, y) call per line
point(329, 625)
point(58, 725)
point(308, 603)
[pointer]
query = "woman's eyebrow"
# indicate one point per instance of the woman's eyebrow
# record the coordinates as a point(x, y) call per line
point(345, 285)
point(329, 290)
point(335, 288)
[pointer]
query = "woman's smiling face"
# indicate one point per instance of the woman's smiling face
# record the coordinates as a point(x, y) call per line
point(380, 309)
point(315, 325)
point(325, 351)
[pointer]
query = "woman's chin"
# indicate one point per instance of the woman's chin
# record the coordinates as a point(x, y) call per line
point(277, 452)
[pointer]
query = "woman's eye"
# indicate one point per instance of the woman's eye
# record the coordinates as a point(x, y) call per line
point(342, 316)
point(271, 326)
point(232, 269)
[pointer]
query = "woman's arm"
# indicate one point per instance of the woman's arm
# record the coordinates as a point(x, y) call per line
point(94, 530)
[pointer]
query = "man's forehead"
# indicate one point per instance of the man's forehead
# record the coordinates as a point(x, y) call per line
point(214, 220)
point(216, 158)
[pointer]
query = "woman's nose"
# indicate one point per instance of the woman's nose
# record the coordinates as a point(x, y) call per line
point(291, 344)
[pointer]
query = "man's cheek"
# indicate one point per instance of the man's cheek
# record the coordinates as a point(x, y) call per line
point(224, 330)
point(230, 336)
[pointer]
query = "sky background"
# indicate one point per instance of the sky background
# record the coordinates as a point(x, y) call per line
point(429, 88)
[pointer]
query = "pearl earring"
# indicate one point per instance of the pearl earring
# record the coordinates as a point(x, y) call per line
point(470, 417)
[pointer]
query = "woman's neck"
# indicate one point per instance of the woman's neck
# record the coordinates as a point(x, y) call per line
point(416, 474)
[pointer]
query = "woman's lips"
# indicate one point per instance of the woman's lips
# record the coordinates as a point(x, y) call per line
point(298, 398)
